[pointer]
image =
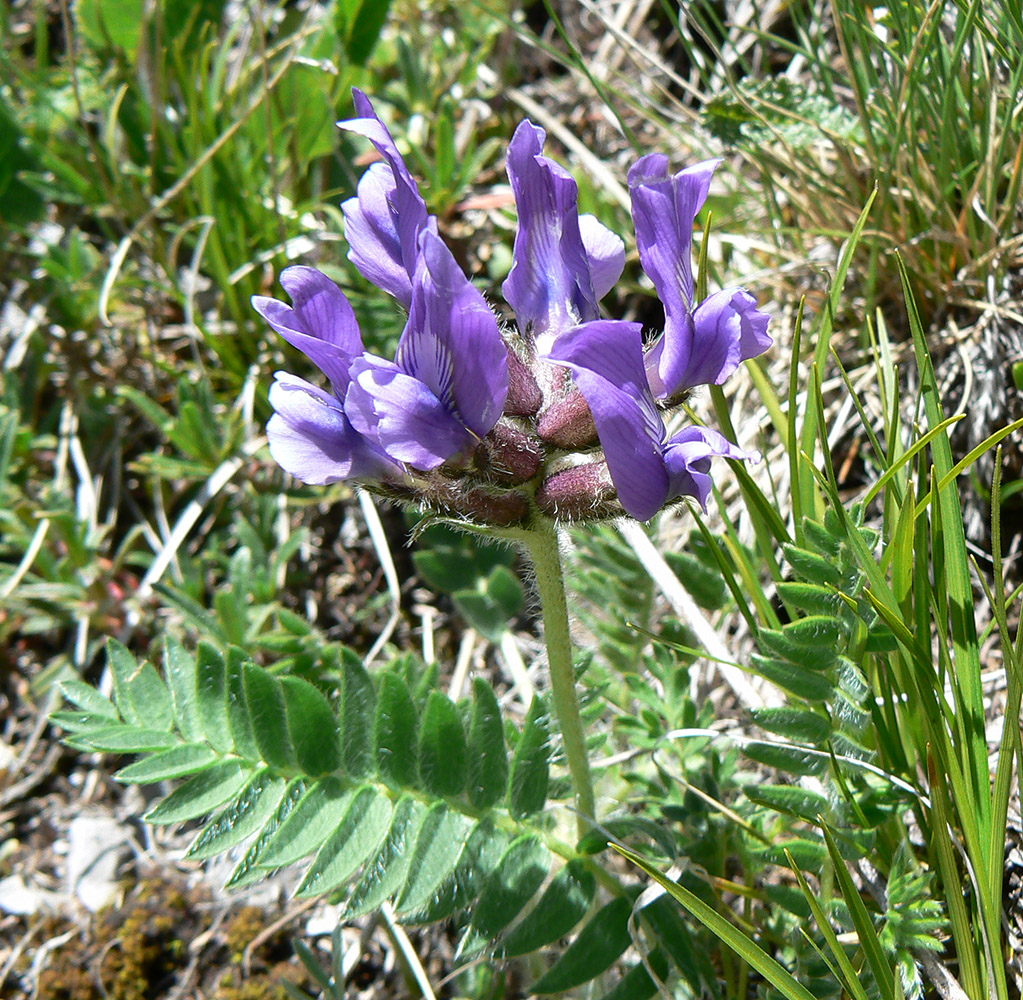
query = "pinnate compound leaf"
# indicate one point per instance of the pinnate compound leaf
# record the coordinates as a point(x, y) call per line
point(364, 825)
point(177, 762)
point(386, 870)
point(527, 781)
point(139, 692)
point(85, 697)
point(636, 984)
point(313, 727)
point(211, 695)
point(241, 818)
point(483, 849)
point(180, 670)
point(563, 904)
point(594, 950)
point(264, 698)
point(508, 888)
point(358, 708)
point(442, 750)
point(122, 739)
point(442, 836)
point(394, 732)
point(488, 756)
point(247, 871)
point(310, 822)
point(201, 793)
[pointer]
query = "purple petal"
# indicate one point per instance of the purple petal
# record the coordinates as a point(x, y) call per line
point(606, 358)
point(687, 457)
point(664, 209)
point(452, 342)
point(605, 252)
point(405, 204)
point(320, 324)
point(402, 415)
point(311, 438)
point(549, 286)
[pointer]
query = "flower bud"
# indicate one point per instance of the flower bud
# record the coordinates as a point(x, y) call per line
point(580, 493)
point(475, 503)
point(509, 455)
point(524, 395)
point(568, 423)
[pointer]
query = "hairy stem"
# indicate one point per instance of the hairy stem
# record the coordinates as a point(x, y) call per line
point(542, 544)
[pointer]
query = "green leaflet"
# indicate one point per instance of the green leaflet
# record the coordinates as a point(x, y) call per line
point(794, 724)
point(121, 739)
point(810, 598)
point(241, 817)
point(177, 762)
point(563, 904)
point(442, 836)
point(791, 799)
point(308, 825)
point(808, 655)
point(394, 732)
point(86, 698)
point(443, 766)
point(140, 695)
point(795, 679)
point(363, 827)
point(313, 727)
point(792, 759)
point(264, 698)
point(488, 755)
point(636, 984)
point(211, 694)
point(595, 949)
point(179, 670)
point(358, 706)
point(814, 630)
point(527, 781)
point(247, 870)
point(386, 870)
point(511, 885)
point(238, 714)
point(201, 793)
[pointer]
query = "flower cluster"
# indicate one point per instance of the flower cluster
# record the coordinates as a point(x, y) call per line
point(560, 418)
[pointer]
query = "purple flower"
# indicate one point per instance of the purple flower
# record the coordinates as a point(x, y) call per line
point(707, 343)
point(562, 264)
point(384, 220)
point(310, 435)
point(445, 389)
point(647, 469)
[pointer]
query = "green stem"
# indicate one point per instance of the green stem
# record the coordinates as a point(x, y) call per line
point(542, 543)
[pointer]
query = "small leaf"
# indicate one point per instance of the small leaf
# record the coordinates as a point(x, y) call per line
point(166, 764)
point(814, 630)
point(442, 750)
point(81, 722)
point(354, 839)
point(265, 700)
point(636, 984)
point(246, 872)
point(358, 706)
point(812, 567)
point(313, 727)
point(122, 739)
point(394, 732)
point(627, 825)
point(240, 719)
point(563, 904)
point(810, 598)
point(180, 670)
point(141, 696)
point(441, 839)
point(386, 870)
point(791, 759)
point(211, 696)
point(792, 799)
point(806, 656)
point(809, 855)
point(527, 781)
point(793, 678)
point(594, 950)
point(488, 756)
point(308, 825)
point(793, 724)
point(201, 794)
point(482, 614)
point(241, 818)
point(88, 699)
point(511, 885)
point(505, 590)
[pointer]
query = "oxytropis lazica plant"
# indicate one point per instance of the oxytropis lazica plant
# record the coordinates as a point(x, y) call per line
point(510, 431)
point(498, 426)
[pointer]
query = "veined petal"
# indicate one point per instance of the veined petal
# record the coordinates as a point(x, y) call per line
point(452, 342)
point(687, 458)
point(549, 285)
point(402, 415)
point(605, 252)
point(320, 323)
point(310, 436)
point(406, 205)
point(606, 359)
